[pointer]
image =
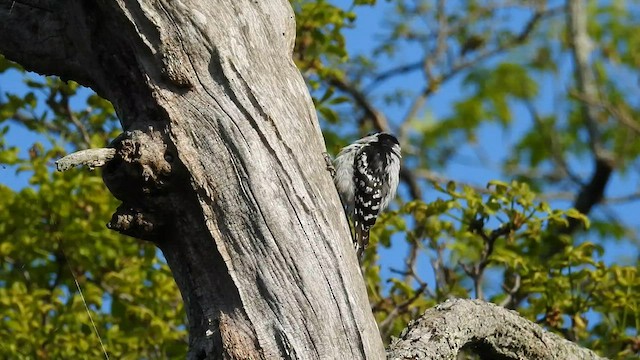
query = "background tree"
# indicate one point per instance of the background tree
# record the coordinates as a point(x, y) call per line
point(503, 61)
point(549, 81)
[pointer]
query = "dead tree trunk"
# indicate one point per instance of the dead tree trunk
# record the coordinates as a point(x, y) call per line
point(221, 165)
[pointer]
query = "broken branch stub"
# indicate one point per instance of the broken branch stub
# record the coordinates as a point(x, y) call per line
point(91, 157)
point(141, 176)
point(138, 171)
point(141, 168)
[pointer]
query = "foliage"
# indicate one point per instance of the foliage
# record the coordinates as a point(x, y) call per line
point(452, 80)
point(479, 238)
point(52, 233)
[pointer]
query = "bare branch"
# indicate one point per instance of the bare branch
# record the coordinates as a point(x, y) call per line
point(506, 45)
point(411, 180)
point(90, 157)
point(399, 70)
point(476, 271)
point(441, 179)
point(427, 64)
point(493, 332)
point(581, 46)
point(593, 192)
point(622, 199)
point(30, 121)
point(617, 112)
point(86, 138)
point(399, 309)
point(434, 80)
point(439, 269)
point(511, 291)
point(379, 120)
point(554, 145)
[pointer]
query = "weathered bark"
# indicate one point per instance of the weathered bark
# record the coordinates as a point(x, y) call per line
point(222, 165)
point(486, 329)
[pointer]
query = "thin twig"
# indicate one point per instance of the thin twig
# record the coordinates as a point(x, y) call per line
point(441, 179)
point(622, 199)
point(28, 121)
point(399, 70)
point(511, 291)
point(617, 112)
point(556, 151)
point(86, 138)
point(385, 325)
point(434, 81)
point(427, 64)
point(379, 120)
point(476, 271)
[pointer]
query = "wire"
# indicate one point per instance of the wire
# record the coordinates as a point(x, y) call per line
point(95, 328)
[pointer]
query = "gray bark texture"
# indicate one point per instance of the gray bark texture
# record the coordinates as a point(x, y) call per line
point(221, 166)
point(483, 328)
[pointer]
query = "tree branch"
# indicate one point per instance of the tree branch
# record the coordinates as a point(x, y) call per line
point(581, 48)
point(39, 36)
point(476, 270)
point(604, 163)
point(379, 120)
point(617, 112)
point(557, 154)
point(592, 193)
point(84, 134)
point(488, 330)
point(90, 157)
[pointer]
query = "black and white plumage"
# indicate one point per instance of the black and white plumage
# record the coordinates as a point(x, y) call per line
point(366, 176)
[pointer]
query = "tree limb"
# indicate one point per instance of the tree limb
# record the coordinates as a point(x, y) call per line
point(604, 163)
point(38, 35)
point(90, 157)
point(488, 330)
point(377, 117)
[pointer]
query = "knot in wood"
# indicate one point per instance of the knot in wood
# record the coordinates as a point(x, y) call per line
point(142, 166)
point(137, 223)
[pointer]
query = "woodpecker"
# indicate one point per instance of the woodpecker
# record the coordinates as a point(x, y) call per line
point(366, 174)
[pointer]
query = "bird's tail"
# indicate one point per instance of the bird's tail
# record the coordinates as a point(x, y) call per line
point(361, 240)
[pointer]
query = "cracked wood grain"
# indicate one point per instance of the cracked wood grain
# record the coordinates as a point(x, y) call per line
point(251, 225)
